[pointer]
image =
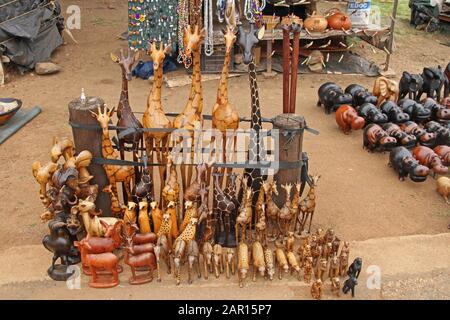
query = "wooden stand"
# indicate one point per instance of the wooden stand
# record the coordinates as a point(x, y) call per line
point(289, 149)
point(88, 139)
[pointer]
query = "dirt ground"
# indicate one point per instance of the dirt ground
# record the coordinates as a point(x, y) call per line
point(358, 194)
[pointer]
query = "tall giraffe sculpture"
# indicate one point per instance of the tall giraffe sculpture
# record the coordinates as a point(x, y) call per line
point(154, 116)
point(223, 207)
point(115, 173)
point(224, 115)
point(125, 116)
point(247, 40)
point(191, 116)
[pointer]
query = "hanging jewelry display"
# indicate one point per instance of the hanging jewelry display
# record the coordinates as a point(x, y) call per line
point(183, 22)
point(209, 34)
point(220, 5)
point(136, 24)
point(257, 7)
point(248, 12)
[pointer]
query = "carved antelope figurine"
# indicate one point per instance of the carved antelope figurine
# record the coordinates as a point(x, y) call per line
point(218, 261)
point(272, 210)
point(230, 262)
point(207, 253)
point(308, 205)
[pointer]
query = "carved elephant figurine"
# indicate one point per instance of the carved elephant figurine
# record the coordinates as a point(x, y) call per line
point(385, 89)
point(434, 81)
point(410, 84)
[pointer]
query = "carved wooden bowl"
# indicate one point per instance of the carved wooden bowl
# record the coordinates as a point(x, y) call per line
point(8, 108)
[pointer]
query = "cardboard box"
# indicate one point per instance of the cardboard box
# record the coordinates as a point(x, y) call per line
point(320, 7)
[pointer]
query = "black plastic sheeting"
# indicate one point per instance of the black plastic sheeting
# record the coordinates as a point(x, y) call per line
point(30, 30)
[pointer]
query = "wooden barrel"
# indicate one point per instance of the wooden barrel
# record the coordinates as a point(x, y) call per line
point(86, 139)
point(289, 149)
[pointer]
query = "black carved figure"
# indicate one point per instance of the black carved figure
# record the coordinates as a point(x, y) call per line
point(447, 83)
point(415, 110)
point(441, 132)
point(372, 114)
point(332, 97)
point(438, 111)
point(144, 189)
point(410, 84)
point(403, 139)
point(350, 284)
point(403, 162)
point(394, 112)
point(434, 81)
point(355, 268)
point(360, 95)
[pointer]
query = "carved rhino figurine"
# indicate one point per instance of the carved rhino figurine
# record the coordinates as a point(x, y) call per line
point(332, 97)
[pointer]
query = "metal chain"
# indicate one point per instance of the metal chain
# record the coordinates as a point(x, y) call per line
point(208, 20)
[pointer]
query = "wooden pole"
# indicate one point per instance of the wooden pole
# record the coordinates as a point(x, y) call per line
point(91, 140)
point(294, 70)
point(286, 67)
point(391, 35)
point(289, 149)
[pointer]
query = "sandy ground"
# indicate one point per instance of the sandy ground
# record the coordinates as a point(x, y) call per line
point(359, 195)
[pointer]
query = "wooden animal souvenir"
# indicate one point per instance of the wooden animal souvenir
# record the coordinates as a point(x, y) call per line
point(416, 111)
point(192, 193)
point(218, 260)
point(81, 162)
point(307, 270)
point(154, 116)
point(162, 251)
point(270, 263)
point(43, 176)
point(443, 187)
point(243, 263)
point(93, 224)
point(347, 119)
point(107, 261)
point(230, 262)
point(308, 204)
point(376, 139)
point(438, 111)
point(360, 95)
point(295, 205)
point(143, 218)
point(224, 115)
point(410, 84)
point(171, 191)
point(261, 226)
point(125, 117)
point(350, 284)
point(293, 263)
point(281, 262)
point(425, 138)
point(143, 190)
point(285, 217)
point(129, 216)
point(428, 158)
point(117, 208)
point(321, 269)
point(403, 139)
point(272, 210)
point(192, 254)
point(343, 263)
point(336, 286)
point(115, 173)
point(355, 268)
point(259, 264)
point(63, 147)
point(316, 289)
point(172, 212)
point(230, 192)
point(244, 218)
point(331, 96)
point(247, 40)
point(207, 253)
point(372, 114)
point(403, 162)
point(394, 113)
point(203, 216)
point(189, 213)
point(385, 89)
point(434, 80)
point(444, 153)
point(290, 241)
point(156, 215)
point(334, 267)
point(139, 258)
point(223, 207)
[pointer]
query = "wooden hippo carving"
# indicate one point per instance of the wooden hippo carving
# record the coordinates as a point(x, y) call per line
point(423, 137)
point(393, 112)
point(360, 95)
point(444, 154)
point(375, 138)
point(347, 119)
point(416, 111)
point(331, 97)
point(441, 132)
point(372, 114)
point(427, 157)
point(402, 161)
point(438, 111)
point(403, 139)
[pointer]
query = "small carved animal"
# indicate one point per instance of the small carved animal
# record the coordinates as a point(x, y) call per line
point(270, 265)
point(375, 138)
point(99, 262)
point(372, 114)
point(331, 97)
point(282, 263)
point(416, 111)
point(410, 84)
point(162, 251)
point(347, 119)
point(321, 268)
point(207, 253)
point(350, 284)
point(334, 267)
point(217, 258)
point(336, 286)
point(343, 263)
point(360, 95)
point(403, 139)
point(243, 263)
point(139, 260)
point(443, 187)
point(385, 89)
point(428, 158)
point(403, 162)
point(156, 215)
point(434, 80)
point(394, 113)
point(307, 269)
point(316, 289)
point(293, 263)
point(423, 137)
point(438, 111)
point(143, 219)
point(355, 268)
point(230, 262)
point(193, 258)
point(259, 264)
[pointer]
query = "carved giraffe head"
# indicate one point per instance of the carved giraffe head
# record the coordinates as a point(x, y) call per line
point(158, 55)
point(314, 179)
point(192, 39)
point(103, 117)
point(230, 39)
point(131, 205)
point(248, 39)
point(126, 63)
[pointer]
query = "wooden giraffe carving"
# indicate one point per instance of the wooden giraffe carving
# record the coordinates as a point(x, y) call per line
point(224, 116)
point(115, 173)
point(191, 116)
point(154, 116)
point(117, 208)
point(223, 208)
point(247, 40)
point(308, 205)
point(125, 116)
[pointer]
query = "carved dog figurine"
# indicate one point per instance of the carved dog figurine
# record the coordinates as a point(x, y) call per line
point(347, 119)
point(331, 97)
point(410, 84)
point(403, 162)
point(428, 158)
point(443, 187)
point(375, 138)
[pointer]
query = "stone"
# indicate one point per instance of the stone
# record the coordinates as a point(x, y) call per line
point(43, 68)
